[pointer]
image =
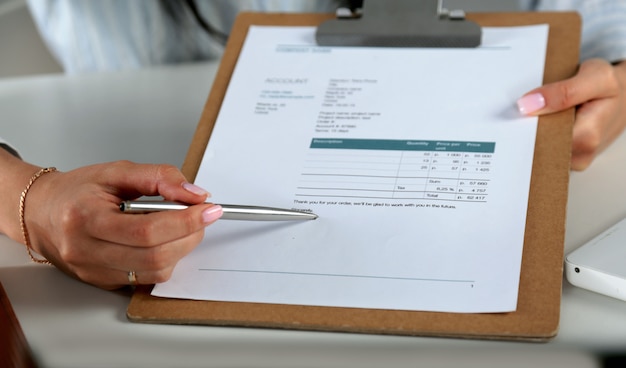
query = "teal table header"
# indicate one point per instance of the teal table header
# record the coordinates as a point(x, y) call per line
point(403, 145)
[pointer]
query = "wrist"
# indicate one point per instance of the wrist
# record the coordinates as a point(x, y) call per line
point(35, 224)
point(14, 176)
point(35, 208)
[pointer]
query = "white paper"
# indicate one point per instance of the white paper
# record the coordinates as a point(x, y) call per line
point(415, 160)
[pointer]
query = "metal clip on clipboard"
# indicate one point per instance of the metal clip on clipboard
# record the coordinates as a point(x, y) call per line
point(399, 23)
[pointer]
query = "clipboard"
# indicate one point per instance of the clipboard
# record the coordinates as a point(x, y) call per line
point(538, 309)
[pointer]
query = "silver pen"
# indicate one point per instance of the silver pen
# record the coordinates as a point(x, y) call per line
point(230, 211)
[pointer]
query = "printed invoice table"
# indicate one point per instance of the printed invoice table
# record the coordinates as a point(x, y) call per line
point(71, 121)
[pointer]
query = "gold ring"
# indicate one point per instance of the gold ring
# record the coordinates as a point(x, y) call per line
point(132, 278)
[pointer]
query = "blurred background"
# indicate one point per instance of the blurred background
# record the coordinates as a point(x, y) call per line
point(22, 52)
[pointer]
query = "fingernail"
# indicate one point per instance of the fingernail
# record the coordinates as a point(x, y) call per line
point(194, 189)
point(212, 213)
point(531, 103)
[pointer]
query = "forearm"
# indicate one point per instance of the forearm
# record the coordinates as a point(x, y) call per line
point(14, 176)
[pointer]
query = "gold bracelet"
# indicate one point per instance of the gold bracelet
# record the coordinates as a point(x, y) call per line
point(21, 213)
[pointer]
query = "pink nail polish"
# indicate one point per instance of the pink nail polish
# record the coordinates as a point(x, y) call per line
point(194, 189)
point(531, 103)
point(212, 213)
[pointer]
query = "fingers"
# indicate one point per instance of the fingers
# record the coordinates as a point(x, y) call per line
point(132, 180)
point(597, 125)
point(594, 80)
point(123, 257)
point(150, 265)
point(587, 140)
point(107, 264)
point(114, 279)
point(152, 229)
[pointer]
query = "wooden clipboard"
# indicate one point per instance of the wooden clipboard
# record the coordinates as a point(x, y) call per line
point(537, 314)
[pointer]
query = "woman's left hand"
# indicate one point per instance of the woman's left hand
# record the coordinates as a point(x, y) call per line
point(599, 92)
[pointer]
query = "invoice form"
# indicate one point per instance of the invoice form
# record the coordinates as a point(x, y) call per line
point(416, 161)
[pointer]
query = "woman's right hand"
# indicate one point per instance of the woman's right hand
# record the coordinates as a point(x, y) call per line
point(74, 221)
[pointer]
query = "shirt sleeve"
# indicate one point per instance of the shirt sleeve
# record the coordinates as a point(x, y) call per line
point(93, 36)
point(603, 23)
point(7, 147)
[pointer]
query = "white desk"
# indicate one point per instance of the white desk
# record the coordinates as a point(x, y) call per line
point(150, 116)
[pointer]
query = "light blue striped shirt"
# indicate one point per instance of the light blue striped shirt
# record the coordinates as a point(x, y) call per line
point(604, 25)
point(89, 35)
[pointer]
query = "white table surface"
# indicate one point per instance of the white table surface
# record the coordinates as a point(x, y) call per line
point(150, 116)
